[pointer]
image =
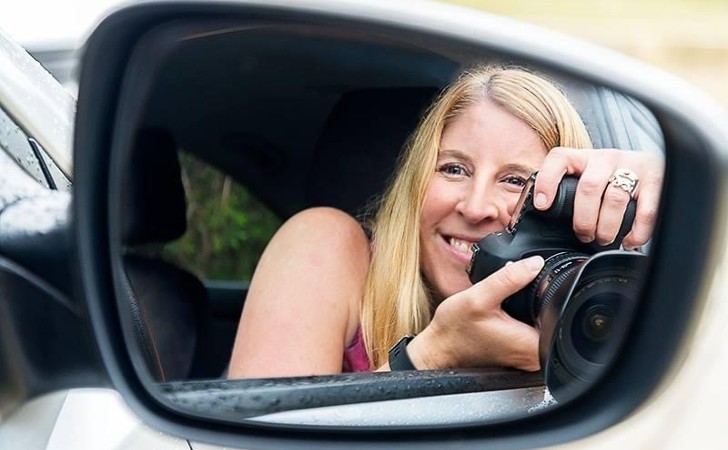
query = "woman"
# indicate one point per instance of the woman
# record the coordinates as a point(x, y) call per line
point(326, 298)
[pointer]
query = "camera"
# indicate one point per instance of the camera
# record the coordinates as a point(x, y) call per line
point(583, 299)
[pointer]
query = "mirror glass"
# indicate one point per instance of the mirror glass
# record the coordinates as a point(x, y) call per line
point(228, 129)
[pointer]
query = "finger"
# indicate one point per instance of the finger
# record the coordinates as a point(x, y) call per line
point(588, 199)
point(559, 162)
point(507, 281)
point(611, 215)
point(648, 200)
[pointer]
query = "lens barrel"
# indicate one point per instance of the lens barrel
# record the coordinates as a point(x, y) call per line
point(584, 306)
point(555, 279)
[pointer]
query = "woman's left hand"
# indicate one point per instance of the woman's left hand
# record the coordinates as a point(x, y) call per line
point(599, 205)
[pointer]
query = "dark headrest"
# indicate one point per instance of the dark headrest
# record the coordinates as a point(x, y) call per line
point(153, 204)
point(359, 145)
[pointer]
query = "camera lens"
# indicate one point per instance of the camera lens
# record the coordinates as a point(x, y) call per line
point(592, 325)
point(554, 281)
point(597, 323)
point(585, 312)
point(594, 310)
point(590, 309)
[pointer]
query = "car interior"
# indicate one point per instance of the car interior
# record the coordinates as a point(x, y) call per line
point(298, 116)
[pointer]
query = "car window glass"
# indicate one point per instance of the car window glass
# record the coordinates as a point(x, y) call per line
point(15, 142)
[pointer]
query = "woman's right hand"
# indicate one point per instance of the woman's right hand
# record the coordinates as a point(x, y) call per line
point(470, 329)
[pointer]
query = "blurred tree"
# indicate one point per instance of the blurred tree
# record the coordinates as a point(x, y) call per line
point(227, 228)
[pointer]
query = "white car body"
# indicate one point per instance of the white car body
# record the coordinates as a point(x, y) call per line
point(686, 411)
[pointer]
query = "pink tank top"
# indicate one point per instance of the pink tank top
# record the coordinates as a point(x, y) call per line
point(355, 355)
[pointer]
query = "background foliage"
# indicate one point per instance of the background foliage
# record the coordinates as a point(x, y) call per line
point(227, 228)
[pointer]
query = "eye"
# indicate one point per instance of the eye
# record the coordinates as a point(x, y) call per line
point(453, 169)
point(516, 181)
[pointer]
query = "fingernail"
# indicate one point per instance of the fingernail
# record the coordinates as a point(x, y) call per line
point(508, 263)
point(540, 200)
point(602, 242)
point(534, 263)
point(584, 238)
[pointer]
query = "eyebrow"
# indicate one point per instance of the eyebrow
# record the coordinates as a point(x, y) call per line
point(513, 167)
point(454, 153)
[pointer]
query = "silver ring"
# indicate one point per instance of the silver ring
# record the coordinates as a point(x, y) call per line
point(624, 179)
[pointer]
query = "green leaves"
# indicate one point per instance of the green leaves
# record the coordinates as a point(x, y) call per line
point(227, 228)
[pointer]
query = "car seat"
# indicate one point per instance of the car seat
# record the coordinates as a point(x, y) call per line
point(358, 147)
point(167, 305)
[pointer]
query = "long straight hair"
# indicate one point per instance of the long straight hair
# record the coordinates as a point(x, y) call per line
point(396, 298)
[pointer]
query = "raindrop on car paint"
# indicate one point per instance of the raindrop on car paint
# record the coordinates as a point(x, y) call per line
point(548, 400)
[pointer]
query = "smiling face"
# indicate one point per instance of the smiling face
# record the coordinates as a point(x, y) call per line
point(485, 156)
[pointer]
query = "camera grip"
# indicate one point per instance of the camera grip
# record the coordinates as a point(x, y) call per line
point(563, 207)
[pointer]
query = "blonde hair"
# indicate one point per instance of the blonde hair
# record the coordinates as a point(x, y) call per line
point(396, 299)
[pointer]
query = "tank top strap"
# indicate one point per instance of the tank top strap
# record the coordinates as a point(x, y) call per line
point(355, 355)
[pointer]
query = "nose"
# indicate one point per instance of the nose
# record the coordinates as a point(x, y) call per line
point(481, 203)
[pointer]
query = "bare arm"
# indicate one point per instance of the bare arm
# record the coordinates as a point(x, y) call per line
point(303, 304)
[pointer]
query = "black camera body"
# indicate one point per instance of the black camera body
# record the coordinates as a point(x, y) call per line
point(583, 297)
point(534, 232)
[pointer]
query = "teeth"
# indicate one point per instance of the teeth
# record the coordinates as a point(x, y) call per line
point(463, 247)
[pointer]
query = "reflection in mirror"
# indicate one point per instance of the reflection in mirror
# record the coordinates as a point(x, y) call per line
point(246, 131)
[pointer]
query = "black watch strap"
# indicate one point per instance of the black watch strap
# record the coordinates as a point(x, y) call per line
point(398, 357)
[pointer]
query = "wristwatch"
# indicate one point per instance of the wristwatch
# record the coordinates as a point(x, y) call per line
point(398, 358)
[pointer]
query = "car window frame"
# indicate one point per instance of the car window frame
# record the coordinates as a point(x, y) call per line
point(39, 105)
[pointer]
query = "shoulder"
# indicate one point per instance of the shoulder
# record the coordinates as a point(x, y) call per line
point(324, 216)
point(327, 251)
point(302, 307)
point(325, 228)
point(325, 241)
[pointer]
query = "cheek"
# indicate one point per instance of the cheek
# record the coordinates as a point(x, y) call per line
point(511, 200)
point(508, 196)
point(439, 202)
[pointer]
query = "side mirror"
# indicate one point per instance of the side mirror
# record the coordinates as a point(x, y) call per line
point(247, 88)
